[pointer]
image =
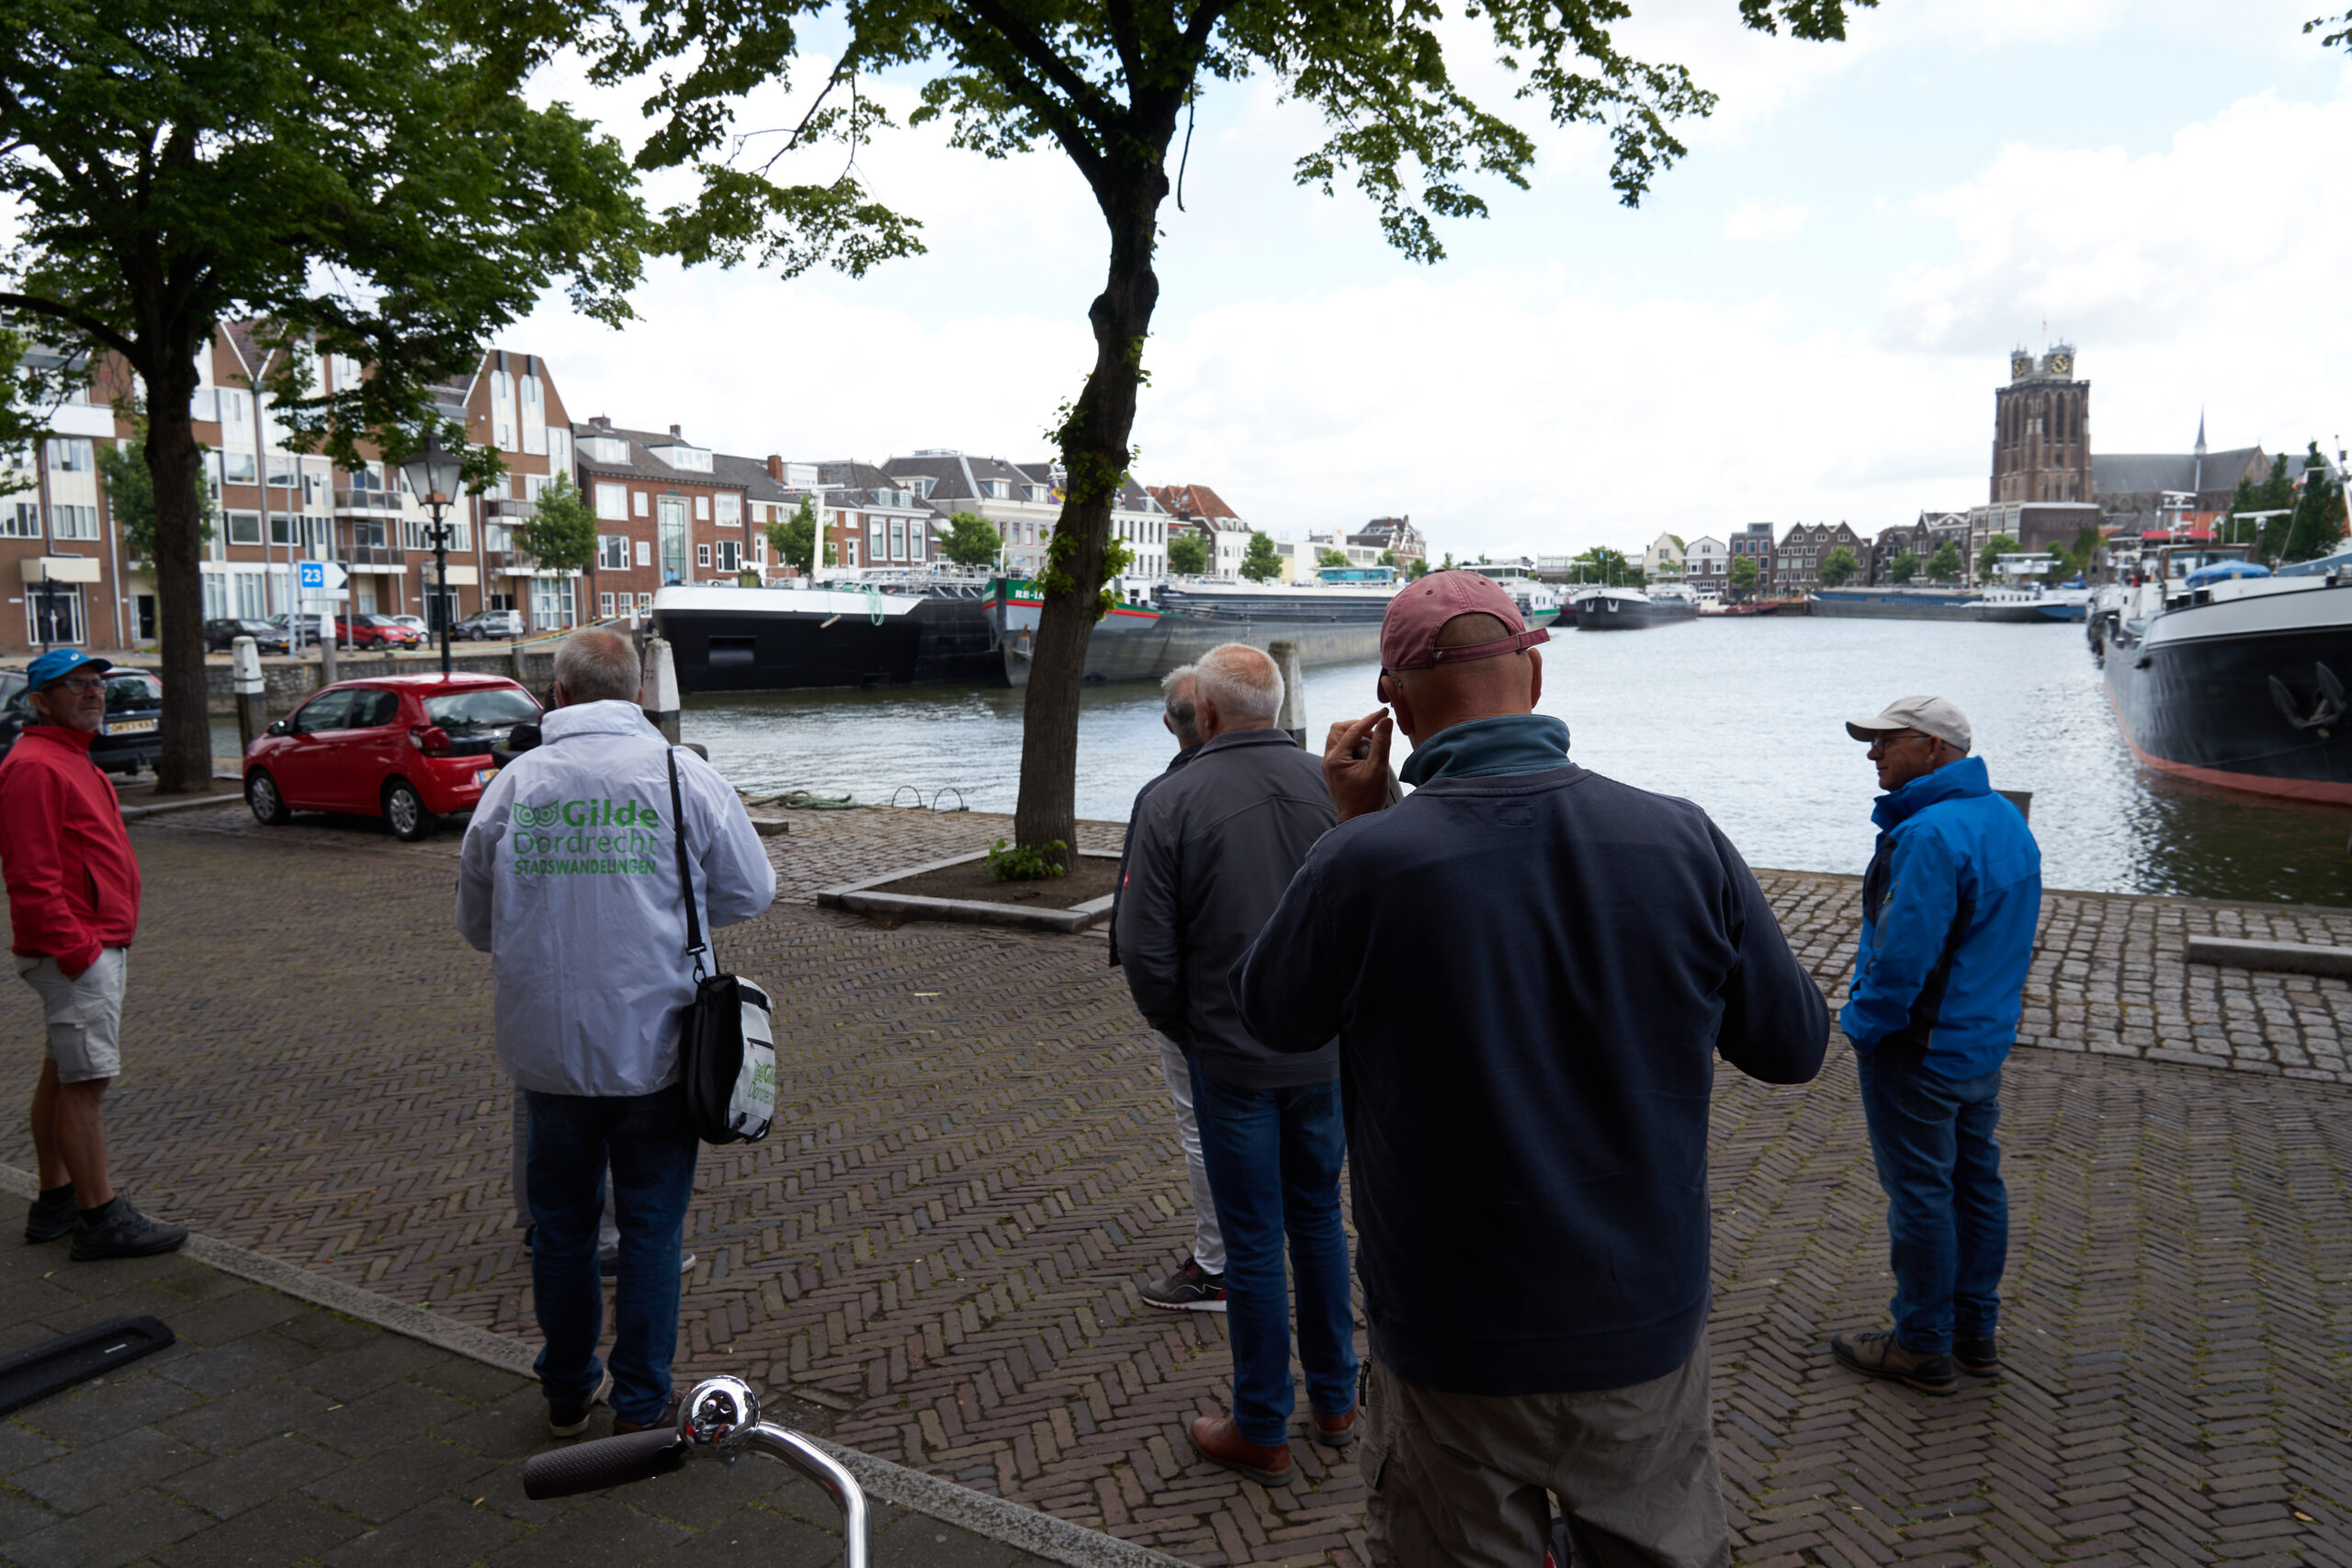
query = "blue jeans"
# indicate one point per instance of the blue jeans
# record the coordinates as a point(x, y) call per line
point(652, 1147)
point(1273, 1159)
point(1946, 1212)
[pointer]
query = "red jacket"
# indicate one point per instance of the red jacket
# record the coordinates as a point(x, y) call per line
point(73, 882)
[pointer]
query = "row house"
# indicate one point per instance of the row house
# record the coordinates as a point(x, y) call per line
point(1706, 565)
point(1201, 509)
point(1024, 506)
point(874, 520)
point(1805, 546)
point(665, 514)
point(1663, 558)
point(1754, 543)
point(1920, 539)
point(1395, 535)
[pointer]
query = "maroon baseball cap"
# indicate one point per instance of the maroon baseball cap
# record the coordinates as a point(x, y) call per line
point(1408, 633)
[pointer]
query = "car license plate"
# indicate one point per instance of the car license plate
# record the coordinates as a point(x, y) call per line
point(130, 727)
point(484, 776)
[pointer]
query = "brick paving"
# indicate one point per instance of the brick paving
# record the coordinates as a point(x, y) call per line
point(278, 1433)
point(936, 1257)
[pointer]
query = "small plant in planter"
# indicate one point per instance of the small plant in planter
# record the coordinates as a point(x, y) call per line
point(1009, 864)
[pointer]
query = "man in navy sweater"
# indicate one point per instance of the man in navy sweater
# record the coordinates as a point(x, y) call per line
point(1530, 969)
point(1948, 912)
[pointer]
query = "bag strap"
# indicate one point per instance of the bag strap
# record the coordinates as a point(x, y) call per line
point(685, 877)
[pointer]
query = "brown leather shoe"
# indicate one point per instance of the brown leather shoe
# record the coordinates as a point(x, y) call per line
point(668, 1418)
point(1336, 1431)
point(1221, 1443)
point(1879, 1354)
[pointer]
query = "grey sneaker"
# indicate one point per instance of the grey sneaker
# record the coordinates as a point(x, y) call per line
point(1190, 1289)
point(115, 1229)
point(567, 1420)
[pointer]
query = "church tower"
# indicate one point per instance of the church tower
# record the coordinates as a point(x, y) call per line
point(2042, 430)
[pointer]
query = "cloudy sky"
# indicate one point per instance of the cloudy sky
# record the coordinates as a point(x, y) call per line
point(1805, 320)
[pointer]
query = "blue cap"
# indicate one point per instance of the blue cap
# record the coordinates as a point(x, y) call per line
point(58, 663)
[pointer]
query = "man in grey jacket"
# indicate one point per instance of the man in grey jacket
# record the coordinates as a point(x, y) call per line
point(1210, 852)
point(569, 880)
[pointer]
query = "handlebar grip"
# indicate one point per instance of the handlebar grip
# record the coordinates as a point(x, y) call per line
point(605, 1461)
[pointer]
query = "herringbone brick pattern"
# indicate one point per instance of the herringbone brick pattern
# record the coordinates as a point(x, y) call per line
point(938, 1255)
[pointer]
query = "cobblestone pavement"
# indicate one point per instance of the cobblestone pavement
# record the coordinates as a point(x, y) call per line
point(278, 1433)
point(939, 1251)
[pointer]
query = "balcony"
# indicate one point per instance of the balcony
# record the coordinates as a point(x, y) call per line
point(508, 508)
point(364, 556)
point(368, 502)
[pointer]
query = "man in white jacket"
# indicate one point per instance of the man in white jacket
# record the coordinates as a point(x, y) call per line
point(569, 880)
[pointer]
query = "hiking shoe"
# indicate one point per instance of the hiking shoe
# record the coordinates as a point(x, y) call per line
point(49, 1219)
point(1882, 1355)
point(668, 1419)
point(1220, 1442)
point(1979, 1356)
point(115, 1229)
point(1190, 1289)
point(608, 1264)
point(1338, 1431)
point(569, 1420)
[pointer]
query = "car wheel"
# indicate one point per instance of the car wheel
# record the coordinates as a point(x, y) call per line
point(268, 805)
point(404, 812)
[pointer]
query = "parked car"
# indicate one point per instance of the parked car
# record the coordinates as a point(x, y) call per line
point(374, 631)
point(410, 749)
point(489, 625)
point(415, 623)
point(131, 737)
point(269, 637)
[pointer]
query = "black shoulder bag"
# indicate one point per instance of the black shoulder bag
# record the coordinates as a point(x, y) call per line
point(726, 1047)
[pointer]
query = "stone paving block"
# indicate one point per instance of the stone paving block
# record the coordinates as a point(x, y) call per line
point(377, 1421)
point(754, 1535)
point(600, 1532)
point(232, 1483)
point(443, 1531)
point(103, 1407)
point(247, 1415)
point(81, 1480)
point(240, 1363)
point(282, 1530)
point(124, 1532)
point(400, 1478)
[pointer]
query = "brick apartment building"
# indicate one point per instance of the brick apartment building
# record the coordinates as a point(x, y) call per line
point(1754, 543)
point(1805, 546)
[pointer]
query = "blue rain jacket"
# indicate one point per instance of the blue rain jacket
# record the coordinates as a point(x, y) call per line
point(1948, 912)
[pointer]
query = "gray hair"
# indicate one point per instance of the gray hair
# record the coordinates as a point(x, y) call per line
point(595, 666)
point(1179, 695)
point(1242, 681)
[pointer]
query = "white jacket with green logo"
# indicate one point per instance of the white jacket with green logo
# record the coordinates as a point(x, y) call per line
point(569, 880)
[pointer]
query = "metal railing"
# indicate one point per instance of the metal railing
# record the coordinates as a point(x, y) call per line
point(372, 501)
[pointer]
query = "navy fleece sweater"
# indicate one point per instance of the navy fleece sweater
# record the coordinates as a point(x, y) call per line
point(1531, 970)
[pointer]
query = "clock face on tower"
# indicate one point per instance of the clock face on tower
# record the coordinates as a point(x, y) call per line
point(2020, 367)
point(2062, 365)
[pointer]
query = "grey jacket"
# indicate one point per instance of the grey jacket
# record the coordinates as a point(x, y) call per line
point(1210, 852)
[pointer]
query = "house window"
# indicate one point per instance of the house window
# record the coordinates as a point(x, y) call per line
point(702, 509)
point(876, 541)
point(731, 511)
point(702, 554)
point(244, 527)
point(21, 521)
point(850, 545)
point(898, 538)
point(70, 454)
point(612, 551)
point(644, 507)
point(645, 552)
point(53, 611)
point(731, 555)
point(645, 600)
point(73, 521)
point(672, 531)
point(612, 502)
point(603, 606)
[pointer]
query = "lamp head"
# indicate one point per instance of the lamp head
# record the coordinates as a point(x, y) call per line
point(432, 474)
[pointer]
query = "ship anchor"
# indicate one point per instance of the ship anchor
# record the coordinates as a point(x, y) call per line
point(2328, 710)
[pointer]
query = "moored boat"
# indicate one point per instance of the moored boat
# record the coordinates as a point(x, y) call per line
point(1631, 609)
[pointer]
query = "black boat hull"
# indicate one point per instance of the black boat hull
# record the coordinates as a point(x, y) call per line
point(1602, 613)
point(784, 641)
point(2232, 694)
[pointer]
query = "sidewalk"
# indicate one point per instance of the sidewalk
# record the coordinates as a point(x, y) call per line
point(277, 1432)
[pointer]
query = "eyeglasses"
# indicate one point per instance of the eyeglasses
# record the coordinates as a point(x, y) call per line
point(84, 685)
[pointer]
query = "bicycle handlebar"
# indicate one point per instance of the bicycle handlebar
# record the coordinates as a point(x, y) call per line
point(605, 1461)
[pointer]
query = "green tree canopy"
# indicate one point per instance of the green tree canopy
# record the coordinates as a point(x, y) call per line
point(1107, 86)
point(1325, 556)
point(1188, 554)
point(1744, 575)
point(972, 541)
point(2317, 527)
point(1903, 568)
point(1419, 570)
point(1260, 564)
point(1837, 568)
point(1601, 564)
point(362, 177)
point(2275, 494)
point(1945, 565)
point(1996, 546)
point(561, 531)
point(793, 539)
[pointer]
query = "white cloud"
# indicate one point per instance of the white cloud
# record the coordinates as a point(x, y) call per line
point(1766, 220)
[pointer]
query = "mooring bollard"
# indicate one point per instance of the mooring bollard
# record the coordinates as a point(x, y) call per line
point(516, 650)
point(661, 693)
point(1284, 654)
point(246, 679)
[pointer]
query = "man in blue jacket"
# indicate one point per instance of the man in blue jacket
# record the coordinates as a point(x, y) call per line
point(1531, 970)
point(1949, 911)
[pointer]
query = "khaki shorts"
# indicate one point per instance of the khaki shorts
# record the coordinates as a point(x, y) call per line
point(84, 1014)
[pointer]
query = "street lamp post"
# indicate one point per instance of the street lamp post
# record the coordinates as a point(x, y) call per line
point(434, 476)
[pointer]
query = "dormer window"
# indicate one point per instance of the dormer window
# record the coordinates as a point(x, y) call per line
point(998, 490)
point(1035, 493)
point(696, 459)
point(604, 448)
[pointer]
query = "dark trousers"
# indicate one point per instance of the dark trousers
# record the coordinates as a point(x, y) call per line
point(650, 1148)
point(1274, 1161)
point(1947, 1211)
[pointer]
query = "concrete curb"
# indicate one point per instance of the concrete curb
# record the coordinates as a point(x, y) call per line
point(860, 898)
point(2290, 957)
point(1040, 1535)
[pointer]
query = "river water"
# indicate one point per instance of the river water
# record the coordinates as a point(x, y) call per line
point(1741, 715)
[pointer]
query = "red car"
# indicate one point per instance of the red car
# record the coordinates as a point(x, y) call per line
point(375, 631)
point(410, 749)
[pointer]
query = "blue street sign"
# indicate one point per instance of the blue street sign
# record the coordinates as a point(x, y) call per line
point(313, 573)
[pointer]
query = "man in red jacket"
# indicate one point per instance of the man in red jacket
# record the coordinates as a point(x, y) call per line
point(74, 907)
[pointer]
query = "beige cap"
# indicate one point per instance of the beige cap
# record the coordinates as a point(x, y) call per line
point(1928, 716)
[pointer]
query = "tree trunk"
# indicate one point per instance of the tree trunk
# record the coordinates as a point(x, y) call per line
point(1095, 451)
point(185, 761)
